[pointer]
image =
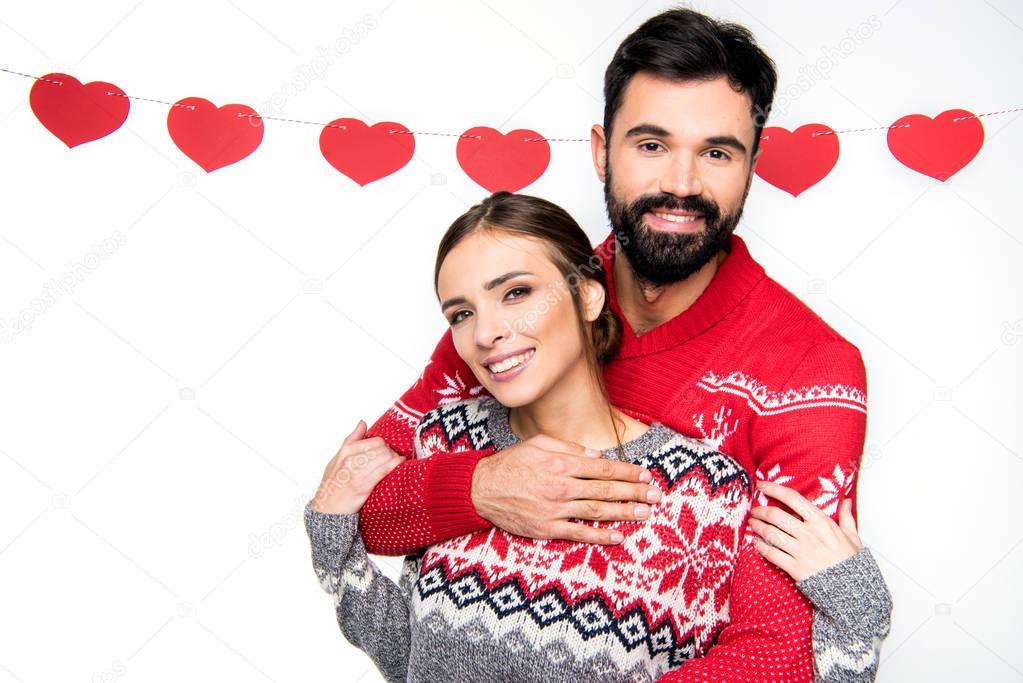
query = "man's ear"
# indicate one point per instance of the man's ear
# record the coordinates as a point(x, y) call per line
point(756, 157)
point(593, 295)
point(598, 145)
point(752, 171)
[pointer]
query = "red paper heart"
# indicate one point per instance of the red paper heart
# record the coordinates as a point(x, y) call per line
point(797, 161)
point(366, 153)
point(503, 162)
point(78, 113)
point(214, 137)
point(937, 147)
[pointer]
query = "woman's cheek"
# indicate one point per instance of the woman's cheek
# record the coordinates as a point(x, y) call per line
point(462, 337)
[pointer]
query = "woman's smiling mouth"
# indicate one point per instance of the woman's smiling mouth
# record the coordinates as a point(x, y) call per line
point(508, 366)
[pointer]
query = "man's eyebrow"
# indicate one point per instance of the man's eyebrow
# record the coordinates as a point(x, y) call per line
point(727, 141)
point(488, 286)
point(647, 129)
point(657, 131)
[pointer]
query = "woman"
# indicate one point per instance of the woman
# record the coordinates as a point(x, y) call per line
point(526, 302)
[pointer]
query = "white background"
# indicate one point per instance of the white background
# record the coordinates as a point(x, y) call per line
point(162, 426)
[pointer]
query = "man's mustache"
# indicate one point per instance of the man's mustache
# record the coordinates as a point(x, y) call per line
point(670, 202)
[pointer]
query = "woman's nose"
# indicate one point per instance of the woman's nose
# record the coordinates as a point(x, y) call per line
point(491, 329)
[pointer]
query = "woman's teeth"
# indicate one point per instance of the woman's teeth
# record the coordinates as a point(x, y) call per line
point(509, 363)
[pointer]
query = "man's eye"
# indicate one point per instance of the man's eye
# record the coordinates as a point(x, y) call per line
point(650, 146)
point(724, 155)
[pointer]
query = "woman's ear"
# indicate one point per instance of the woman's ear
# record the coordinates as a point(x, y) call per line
point(593, 295)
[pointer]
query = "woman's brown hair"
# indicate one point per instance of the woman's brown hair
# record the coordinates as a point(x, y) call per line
point(568, 248)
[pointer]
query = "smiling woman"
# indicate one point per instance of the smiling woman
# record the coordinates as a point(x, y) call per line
point(510, 277)
point(518, 282)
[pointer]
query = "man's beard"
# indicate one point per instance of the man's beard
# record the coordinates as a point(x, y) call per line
point(661, 258)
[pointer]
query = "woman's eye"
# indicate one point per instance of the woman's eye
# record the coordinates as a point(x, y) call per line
point(524, 291)
point(455, 319)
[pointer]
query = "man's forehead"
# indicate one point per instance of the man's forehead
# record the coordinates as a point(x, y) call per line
point(698, 108)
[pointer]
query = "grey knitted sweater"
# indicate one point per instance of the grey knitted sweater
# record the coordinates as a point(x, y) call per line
point(437, 624)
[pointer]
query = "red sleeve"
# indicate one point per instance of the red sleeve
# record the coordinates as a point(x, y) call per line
point(423, 501)
point(808, 436)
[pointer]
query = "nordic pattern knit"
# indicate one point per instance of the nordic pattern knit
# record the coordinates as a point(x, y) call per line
point(748, 370)
point(493, 606)
point(852, 601)
point(852, 617)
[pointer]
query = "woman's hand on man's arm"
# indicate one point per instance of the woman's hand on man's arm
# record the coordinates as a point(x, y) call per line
point(807, 543)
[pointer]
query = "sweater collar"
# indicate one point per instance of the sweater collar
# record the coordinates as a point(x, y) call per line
point(501, 434)
point(735, 278)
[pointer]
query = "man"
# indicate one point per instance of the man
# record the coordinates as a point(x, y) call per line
point(712, 347)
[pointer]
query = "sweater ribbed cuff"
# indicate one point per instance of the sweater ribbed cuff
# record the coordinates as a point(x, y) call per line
point(853, 593)
point(330, 537)
point(449, 507)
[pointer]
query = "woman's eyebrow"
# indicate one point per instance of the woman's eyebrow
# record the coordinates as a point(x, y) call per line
point(454, 301)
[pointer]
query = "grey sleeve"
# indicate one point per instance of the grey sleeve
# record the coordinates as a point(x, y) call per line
point(852, 617)
point(372, 611)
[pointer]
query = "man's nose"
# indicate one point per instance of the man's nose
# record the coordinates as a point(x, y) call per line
point(682, 177)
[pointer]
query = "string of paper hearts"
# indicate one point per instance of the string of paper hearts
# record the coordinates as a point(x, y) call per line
point(215, 137)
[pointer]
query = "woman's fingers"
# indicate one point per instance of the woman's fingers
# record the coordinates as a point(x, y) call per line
point(797, 503)
point(815, 521)
point(357, 435)
point(800, 548)
point(382, 468)
point(775, 536)
point(848, 524)
point(780, 519)
point(778, 558)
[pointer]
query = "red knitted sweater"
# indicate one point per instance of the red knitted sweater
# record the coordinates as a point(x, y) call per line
point(749, 370)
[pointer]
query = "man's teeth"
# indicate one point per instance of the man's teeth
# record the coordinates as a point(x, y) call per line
point(672, 218)
point(509, 363)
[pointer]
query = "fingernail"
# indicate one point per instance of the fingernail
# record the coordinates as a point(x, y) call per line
point(645, 476)
point(641, 511)
point(653, 495)
point(617, 537)
point(592, 453)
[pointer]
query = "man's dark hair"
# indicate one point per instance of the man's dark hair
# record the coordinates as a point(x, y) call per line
point(683, 45)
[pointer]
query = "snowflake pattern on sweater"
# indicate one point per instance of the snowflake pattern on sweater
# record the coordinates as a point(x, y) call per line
point(646, 605)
